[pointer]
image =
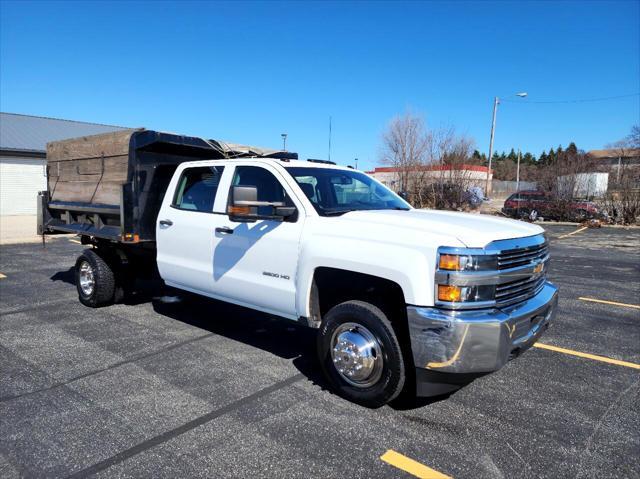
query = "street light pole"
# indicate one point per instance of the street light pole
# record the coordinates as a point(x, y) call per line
point(518, 172)
point(356, 163)
point(284, 141)
point(493, 130)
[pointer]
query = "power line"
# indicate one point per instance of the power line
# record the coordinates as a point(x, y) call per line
point(583, 100)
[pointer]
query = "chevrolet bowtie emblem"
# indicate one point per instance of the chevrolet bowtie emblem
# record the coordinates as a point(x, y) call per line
point(538, 268)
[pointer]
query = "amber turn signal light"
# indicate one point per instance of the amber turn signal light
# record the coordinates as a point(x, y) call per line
point(449, 262)
point(238, 210)
point(449, 293)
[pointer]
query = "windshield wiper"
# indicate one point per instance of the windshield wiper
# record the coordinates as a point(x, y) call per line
point(336, 212)
point(398, 208)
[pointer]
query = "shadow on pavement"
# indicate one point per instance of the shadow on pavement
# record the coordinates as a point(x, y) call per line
point(68, 276)
point(274, 335)
point(269, 333)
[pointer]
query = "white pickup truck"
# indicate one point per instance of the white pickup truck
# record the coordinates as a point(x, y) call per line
point(402, 298)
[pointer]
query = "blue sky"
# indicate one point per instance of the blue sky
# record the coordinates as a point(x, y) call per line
point(247, 72)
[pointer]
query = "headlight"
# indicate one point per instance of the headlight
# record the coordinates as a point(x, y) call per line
point(467, 262)
point(460, 294)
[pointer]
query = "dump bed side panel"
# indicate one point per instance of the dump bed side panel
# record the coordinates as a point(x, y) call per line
point(89, 169)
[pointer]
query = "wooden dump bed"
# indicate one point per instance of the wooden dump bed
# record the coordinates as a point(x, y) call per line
point(111, 185)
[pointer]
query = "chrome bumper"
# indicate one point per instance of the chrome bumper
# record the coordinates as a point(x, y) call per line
point(478, 341)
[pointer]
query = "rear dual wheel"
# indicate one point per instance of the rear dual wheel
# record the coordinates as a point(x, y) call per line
point(360, 354)
point(95, 280)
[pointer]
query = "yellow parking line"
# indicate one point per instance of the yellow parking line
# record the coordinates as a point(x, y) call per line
point(614, 303)
point(3, 276)
point(412, 467)
point(603, 359)
point(573, 232)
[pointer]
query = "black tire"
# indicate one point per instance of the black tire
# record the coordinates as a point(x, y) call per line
point(103, 291)
point(392, 377)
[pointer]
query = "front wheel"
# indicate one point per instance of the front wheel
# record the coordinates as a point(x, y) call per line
point(360, 354)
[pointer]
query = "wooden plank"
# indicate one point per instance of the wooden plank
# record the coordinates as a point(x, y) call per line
point(105, 192)
point(115, 169)
point(106, 144)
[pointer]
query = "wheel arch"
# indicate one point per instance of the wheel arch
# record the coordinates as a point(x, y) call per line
point(330, 286)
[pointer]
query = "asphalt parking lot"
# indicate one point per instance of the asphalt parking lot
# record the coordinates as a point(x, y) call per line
point(178, 387)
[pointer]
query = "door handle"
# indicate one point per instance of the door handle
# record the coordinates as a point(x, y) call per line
point(166, 223)
point(224, 230)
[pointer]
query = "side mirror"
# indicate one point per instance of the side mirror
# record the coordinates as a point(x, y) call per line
point(285, 211)
point(244, 206)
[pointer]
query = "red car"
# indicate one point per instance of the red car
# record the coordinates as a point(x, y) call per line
point(531, 204)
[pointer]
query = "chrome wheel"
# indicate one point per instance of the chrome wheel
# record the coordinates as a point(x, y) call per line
point(356, 355)
point(86, 278)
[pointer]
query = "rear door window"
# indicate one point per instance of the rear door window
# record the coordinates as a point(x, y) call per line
point(197, 188)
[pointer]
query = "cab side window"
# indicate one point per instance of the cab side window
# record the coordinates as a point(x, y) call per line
point(269, 188)
point(197, 188)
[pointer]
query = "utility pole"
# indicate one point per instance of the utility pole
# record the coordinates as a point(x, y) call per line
point(356, 163)
point(518, 173)
point(329, 138)
point(496, 101)
point(284, 141)
point(493, 129)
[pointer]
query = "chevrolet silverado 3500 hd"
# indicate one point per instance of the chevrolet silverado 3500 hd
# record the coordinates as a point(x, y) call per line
point(400, 297)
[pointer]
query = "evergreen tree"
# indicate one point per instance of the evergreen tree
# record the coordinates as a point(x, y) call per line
point(513, 156)
point(572, 152)
point(528, 159)
point(544, 159)
point(551, 157)
point(479, 158)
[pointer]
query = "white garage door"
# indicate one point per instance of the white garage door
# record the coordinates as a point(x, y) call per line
point(20, 181)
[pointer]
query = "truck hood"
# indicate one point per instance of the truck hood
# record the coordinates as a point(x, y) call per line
point(472, 230)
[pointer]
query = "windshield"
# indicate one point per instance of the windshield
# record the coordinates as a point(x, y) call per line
point(335, 192)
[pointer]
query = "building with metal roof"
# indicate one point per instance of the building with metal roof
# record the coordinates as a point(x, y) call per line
point(23, 143)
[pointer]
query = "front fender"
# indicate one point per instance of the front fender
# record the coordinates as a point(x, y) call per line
point(408, 267)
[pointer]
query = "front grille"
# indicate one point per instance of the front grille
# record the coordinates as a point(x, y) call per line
point(517, 291)
point(522, 256)
point(511, 272)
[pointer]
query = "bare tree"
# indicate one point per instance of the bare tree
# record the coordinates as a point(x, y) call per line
point(622, 201)
point(633, 138)
point(428, 162)
point(405, 146)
